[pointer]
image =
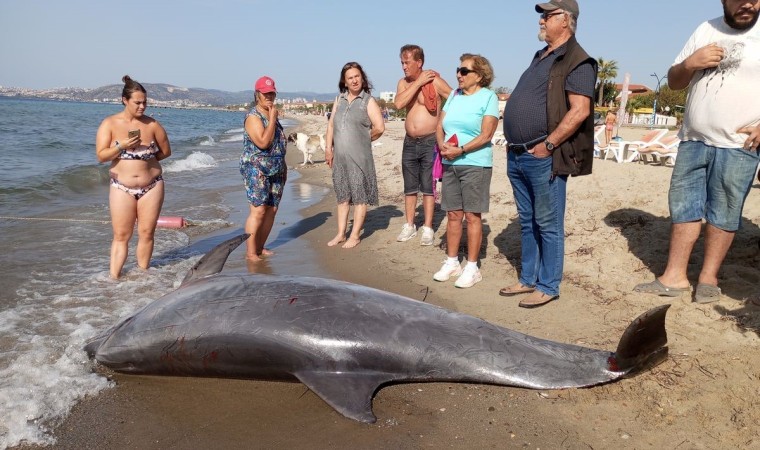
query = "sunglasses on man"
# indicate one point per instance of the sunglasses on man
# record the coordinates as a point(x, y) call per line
point(546, 16)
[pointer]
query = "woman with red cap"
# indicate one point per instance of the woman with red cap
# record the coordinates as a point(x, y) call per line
point(263, 167)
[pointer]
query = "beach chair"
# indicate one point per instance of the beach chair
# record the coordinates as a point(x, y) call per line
point(498, 138)
point(598, 131)
point(628, 151)
point(663, 150)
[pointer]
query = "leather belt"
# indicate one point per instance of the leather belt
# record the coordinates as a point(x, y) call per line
point(519, 149)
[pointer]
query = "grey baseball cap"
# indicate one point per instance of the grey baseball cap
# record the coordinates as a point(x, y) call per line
point(570, 6)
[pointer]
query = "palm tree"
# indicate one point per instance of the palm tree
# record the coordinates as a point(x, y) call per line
point(607, 71)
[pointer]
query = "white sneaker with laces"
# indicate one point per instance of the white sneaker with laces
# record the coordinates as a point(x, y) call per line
point(469, 277)
point(448, 270)
point(407, 232)
point(427, 236)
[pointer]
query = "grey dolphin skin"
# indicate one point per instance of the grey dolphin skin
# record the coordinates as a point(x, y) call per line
point(345, 341)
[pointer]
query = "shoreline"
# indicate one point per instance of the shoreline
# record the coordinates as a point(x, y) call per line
point(702, 396)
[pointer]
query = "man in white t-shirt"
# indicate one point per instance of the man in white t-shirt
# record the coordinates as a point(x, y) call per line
point(718, 154)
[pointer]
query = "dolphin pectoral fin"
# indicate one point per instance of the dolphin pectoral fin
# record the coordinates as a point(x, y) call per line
point(348, 393)
point(213, 261)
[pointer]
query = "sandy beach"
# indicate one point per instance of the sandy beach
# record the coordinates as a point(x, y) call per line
point(704, 396)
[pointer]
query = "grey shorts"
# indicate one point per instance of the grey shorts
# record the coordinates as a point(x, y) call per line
point(417, 164)
point(466, 188)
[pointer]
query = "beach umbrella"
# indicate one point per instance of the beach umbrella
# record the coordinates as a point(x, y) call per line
point(623, 102)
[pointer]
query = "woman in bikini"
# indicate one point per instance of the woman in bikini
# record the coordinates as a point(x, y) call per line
point(609, 124)
point(134, 144)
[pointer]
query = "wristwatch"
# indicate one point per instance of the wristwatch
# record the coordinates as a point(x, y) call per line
point(462, 148)
point(549, 145)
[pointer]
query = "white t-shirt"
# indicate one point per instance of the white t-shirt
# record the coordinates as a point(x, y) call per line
point(725, 98)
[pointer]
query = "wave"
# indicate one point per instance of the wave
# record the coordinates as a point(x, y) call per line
point(237, 138)
point(233, 135)
point(196, 160)
point(236, 134)
point(52, 144)
point(81, 179)
point(206, 141)
point(287, 123)
point(44, 369)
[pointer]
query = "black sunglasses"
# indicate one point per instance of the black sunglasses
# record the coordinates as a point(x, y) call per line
point(547, 16)
point(464, 71)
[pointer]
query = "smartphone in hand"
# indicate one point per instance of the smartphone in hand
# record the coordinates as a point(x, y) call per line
point(133, 133)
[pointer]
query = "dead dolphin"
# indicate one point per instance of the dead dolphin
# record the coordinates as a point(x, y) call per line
point(345, 341)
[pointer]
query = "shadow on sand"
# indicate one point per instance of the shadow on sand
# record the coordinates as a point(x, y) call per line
point(648, 239)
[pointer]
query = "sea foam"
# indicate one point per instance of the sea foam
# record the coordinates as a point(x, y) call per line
point(196, 160)
point(207, 141)
point(233, 135)
point(46, 371)
point(237, 138)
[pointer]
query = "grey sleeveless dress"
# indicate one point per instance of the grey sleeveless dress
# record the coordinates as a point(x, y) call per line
point(354, 178)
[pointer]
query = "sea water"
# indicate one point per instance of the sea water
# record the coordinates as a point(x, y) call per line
point(55, 235)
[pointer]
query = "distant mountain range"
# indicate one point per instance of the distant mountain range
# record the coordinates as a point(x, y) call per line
point(159, 94)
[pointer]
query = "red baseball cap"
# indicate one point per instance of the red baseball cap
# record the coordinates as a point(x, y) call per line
point(264, 85)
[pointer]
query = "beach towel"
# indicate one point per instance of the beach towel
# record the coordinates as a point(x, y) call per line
point(430, 96)
point(438, 166)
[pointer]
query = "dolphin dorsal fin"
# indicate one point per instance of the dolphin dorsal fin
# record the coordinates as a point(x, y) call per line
point(349, 393)
point(644, 342)
point(213, 261)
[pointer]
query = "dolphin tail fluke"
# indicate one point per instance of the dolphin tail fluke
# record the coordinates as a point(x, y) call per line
point(644, 342)
point(213, 261)
point(348, 393)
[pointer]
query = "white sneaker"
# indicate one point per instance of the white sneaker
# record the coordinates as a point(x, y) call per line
point(427, 236)
point(407, 232)
point(469, 277)
point(448, 270)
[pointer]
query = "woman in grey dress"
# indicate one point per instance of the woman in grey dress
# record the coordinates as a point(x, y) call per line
point(355, 121)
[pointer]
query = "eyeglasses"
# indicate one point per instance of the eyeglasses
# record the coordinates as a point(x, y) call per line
point(546, 16)
point(464, 71)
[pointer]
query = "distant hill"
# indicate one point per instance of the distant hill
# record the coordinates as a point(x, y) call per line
point(160, 93)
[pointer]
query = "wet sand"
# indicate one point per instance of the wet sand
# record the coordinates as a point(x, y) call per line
point(704, 396)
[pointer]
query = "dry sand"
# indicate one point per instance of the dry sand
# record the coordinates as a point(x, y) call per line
point(705, 395)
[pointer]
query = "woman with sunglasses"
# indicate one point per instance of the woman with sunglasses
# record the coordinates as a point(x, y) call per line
point(465, 129)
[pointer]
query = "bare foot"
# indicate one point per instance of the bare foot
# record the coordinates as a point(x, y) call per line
point(351, 242)
point(253, 258)
point(267, 252)
point(336, 240)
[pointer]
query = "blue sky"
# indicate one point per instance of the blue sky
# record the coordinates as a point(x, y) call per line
point(221, 44)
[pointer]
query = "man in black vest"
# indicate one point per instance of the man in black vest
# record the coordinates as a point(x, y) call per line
point(549, 124)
